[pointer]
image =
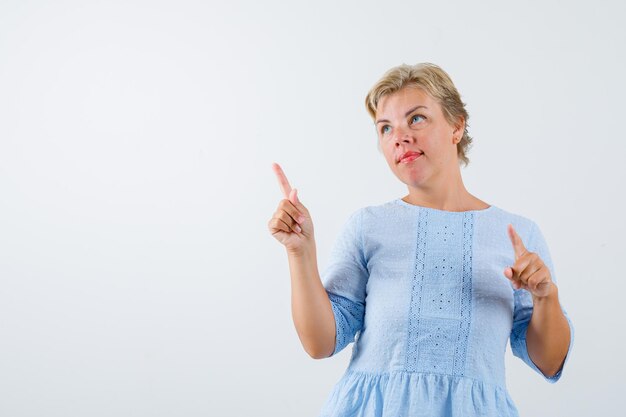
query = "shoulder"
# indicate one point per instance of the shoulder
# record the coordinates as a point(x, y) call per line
point(374, 219)
point(374, 212)
point(499, 218)
point(497, 213)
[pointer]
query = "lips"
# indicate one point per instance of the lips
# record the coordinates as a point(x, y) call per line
point(409, 156)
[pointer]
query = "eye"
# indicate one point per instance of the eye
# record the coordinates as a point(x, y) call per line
point(383, 129)
point(416, 116)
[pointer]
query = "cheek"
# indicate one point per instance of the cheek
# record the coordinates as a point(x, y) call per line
point(389, 153)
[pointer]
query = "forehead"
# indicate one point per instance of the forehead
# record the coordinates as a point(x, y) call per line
point(404, 99)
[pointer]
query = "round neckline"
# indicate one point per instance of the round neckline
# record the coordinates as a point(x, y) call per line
point(404, 203)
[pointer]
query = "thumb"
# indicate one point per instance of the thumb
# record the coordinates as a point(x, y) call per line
point(508, 272)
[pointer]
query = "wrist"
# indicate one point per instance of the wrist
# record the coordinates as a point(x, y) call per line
point(302, 252)
point(551, 297)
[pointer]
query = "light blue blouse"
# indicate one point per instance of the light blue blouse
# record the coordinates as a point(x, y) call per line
point(422, 294)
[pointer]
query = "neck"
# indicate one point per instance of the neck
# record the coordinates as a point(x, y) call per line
point(444, 192)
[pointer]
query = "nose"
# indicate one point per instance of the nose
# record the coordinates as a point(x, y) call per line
point(403, 134)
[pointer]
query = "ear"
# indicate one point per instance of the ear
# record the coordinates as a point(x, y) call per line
point(459, 129)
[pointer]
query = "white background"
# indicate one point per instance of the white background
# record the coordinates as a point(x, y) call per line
point(137, 273)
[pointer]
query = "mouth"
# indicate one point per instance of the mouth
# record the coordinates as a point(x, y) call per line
point(409, 157)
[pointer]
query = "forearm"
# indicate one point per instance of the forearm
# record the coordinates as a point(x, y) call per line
point(548, 334)
point(310, 306)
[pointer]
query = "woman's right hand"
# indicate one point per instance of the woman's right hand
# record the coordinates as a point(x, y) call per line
point(291, 224)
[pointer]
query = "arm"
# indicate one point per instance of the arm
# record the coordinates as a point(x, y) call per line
point(542, 333)
point(310, 305)
point(548, 335)
point(326, 321)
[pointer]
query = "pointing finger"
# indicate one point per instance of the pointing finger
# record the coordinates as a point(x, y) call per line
point(516, 241)
point(282, 179)
point(295, 196)
point(292, 195)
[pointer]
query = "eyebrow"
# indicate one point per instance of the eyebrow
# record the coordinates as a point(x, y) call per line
point(405, 115)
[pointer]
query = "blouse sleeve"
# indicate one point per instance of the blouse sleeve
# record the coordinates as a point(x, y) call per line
point(523, 309)
point(345, 279)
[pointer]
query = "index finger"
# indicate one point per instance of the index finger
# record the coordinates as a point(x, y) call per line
point(282, 179)
point(518, 245)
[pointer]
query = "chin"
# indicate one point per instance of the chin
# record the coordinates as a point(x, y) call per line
point(412, 179)
point(412, 175)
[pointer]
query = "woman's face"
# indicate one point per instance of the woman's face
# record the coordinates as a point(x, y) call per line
point(410, 120)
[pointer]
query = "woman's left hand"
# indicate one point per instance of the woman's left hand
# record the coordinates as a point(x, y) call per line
point(529, 272)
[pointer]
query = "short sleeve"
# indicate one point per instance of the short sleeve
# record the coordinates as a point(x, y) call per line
point(345, 279)
point(523, 309)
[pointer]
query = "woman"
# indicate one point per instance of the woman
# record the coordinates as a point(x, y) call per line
point(430, 287)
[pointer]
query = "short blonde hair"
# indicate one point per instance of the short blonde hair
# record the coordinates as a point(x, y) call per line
point(434, 81)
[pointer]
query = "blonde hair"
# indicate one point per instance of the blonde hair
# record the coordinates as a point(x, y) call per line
point(434, 81)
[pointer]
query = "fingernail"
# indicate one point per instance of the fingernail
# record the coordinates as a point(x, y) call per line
point(298, 229)
point(300, 219)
